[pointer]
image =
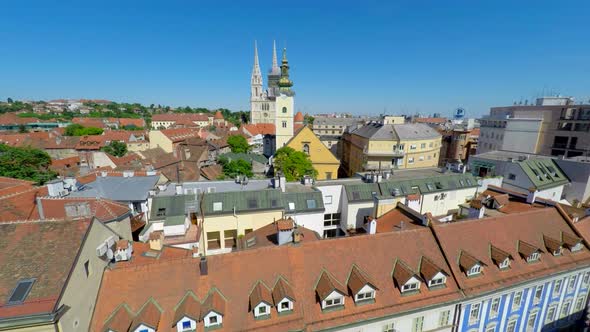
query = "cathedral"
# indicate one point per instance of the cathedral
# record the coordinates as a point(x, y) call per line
point(275, 104)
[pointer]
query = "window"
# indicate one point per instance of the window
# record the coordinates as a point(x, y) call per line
point(474, 270)
point(333, 302)
point(364, 296)
point(331, 219)
point(412, 146)
point(410, 287)
point(311, 204)
point(161, 212)
point(436, 282)
point(531, 321)
point(586, 278)
point(572, 283)
point(538, 293)
point(511, 327)
point(20, 292)
point(565, 310)
point(474, 312)
point(262, 310)
point(577, 247)
point(517, 300)
point(533, 257)
point(87, 269)
point(291, 206)
point(504, 264)
point(327, 199)
point(217, 206)
point(284, 110)
point(511, 177)
point(443, 319)
point(423, 146)
point(430, 145)
point(285, 305)
point(186, 325)
point(551, 313)
point(579, 303)
point(328, 175)
point(389, 327)
point(213, 320)
point(284, 124)
point(495, 307)
point(306, 149)
point(252, 203)
point(491, 328)
point(410, 160)
point(418, 324)
point(421, 158)
point(557, 287)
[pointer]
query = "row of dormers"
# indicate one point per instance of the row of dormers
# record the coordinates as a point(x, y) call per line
point(472, 267)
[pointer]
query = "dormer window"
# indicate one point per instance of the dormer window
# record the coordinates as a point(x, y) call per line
point(474, 270)
point(437, 281)
point(505, 264)
point(262, 310)
point(212, 320)
point(360, 285)
point(285, 305)
point(432, 273)
point(336, 301)
point(577, 247)
point(557, 252)
point(411, 285)
point(330, 291)
point(533, 257)
point(282, 296)
point(260, 300)
point(364, 296)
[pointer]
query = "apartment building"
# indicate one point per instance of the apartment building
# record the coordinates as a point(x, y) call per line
point(380, 146)
point(322, 160)
point(556, 126)
point(330, 130)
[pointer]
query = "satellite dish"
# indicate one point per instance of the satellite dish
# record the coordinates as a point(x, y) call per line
point(110, 254)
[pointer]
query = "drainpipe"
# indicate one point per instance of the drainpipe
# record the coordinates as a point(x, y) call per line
point(40, 208)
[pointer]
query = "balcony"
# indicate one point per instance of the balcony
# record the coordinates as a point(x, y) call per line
point(392, 153)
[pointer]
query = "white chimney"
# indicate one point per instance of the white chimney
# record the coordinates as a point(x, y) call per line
point(55, 188)
point(532, 196)
point(178, 189)
point(283, 182)
point(371, 225)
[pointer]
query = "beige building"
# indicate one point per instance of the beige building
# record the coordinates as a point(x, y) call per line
point(378, 146)
point(554, 126)
point(168, 139)
point(321, 158)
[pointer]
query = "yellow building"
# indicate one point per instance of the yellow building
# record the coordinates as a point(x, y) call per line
point(321, 158)
point(378, 146)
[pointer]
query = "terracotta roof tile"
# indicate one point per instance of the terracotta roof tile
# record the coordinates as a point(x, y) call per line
point(120, 320)
point(282, 290)
point(526, 249)
point(570, 240)
point(402, 273)
point(428, 270)
point(284, 224)
point(327, 284)
point(467, 261)
point(214, 302)
point(552, 244)
point(358, 279)
point(498, 255)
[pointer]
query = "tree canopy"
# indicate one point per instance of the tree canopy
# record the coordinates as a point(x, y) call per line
point(25, 163)
point(79, 130)
point(235, 167)
point(293, 164)
point(115, 148)
point(238, 144)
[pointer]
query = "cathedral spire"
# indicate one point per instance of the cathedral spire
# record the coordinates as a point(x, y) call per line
point(275, 64)
point(256, 80)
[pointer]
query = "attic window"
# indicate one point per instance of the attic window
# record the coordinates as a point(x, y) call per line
point(311, 204)
point(291, 206)
point(504, 264)
point(533, 257)
point(395, 192)
point(411, 286)
point(474, 270)
point(217, 206)
point(462, 183)
point(364, 296)
point(20, 292)
point(576, 247)
point(161, 212)
point(437, 281)
point(468, 181)
point(430, 186)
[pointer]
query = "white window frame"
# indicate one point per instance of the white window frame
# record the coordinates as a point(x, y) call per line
point(586, 279)
point(538, 295)
point(335, 302)
point(495, 303)
point(517, 295)
point(474, 270)
point(533, 257)
point(566, 305)
point(557, 287)
point(437, 281)
point(410, 160)
point(217, 206)
point(475, 308)
point(572, 283)
point(443, 318)
point(532, 318)
point(511, 326)
point(410, 286)
point(580, 301)
point(389, 327)
point(504, 264)
point(327, 199)
point(551, 313)
point(364, 296)
point(577, 247)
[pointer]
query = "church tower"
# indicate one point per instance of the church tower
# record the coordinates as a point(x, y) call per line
point(261, 108)
point(256, 79)
point(285, 104)
point(274, 74)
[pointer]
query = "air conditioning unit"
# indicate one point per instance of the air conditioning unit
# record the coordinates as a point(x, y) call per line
point(101, 250)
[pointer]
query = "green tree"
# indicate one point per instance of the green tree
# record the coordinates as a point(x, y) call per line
point(22, 129)
point(238, 144)
point(293, 164)
point(25, 163)
point(79, 130)
point(116, 148)
point(9, 100)
point(235, 167)
point(308, 119)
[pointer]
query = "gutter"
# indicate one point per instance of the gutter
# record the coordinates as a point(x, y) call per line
point(19, 322)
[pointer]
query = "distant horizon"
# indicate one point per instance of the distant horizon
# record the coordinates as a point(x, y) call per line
point(370, 58)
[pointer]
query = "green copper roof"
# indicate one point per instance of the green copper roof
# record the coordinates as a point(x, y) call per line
point(543, 173)
point(242, 201)
point(301, 202)
point(428, 185)
point(174, 221)
point(361, 192)
point(170, 206)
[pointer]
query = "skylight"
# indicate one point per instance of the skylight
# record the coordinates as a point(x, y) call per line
point(311, 204)
point(252, 203)
point(430, 186)
point(20, 292)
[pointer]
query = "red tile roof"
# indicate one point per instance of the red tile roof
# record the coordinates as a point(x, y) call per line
point(45, 251)
point(218, 116)
point(299, 117)
point(90, 122)
point(505, 232)
point(180, 117)
point(91, 142)
point(180, 134)
point(300, 266)
point(259, 129)
point(430, 120)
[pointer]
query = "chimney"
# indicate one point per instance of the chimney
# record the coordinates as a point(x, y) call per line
point(284, 231)
point(203, 266)
point(307, 180)
point(156, 240)
point(123, 250)
point(40, 208)
point(371, 225)
point(178, 189)
point(282, 182)
point(297, 235)
point(532, 195)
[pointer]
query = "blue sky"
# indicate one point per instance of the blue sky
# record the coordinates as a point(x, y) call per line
point(364, 57)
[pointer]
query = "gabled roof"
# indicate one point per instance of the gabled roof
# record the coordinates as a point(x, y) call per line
point(428, 270)
point(552, 244)
point(358, 279)
point(282, 290)
point(498, 255)
point(189, 307)
point(543, 173)
point(120, 320)
point(402, 273)
point(326, 284)
point(570, 240)
point(318, 152)
point(214, 302)
point(43, 251)
point(148, 315)
point(260, 293)
point(134, 188)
